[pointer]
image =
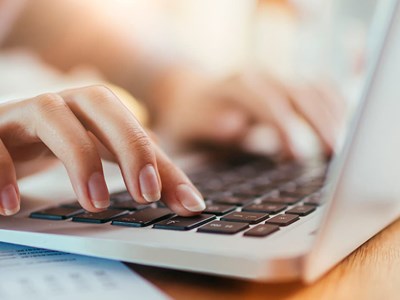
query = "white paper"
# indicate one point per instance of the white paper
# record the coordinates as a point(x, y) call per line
point(33, 273)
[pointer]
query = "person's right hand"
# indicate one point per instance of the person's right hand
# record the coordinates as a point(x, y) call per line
point(247, 110)
point(79, 127)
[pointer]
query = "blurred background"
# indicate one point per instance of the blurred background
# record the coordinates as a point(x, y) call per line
point(291, 39)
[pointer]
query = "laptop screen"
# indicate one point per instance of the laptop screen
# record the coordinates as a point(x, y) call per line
point(364, 192)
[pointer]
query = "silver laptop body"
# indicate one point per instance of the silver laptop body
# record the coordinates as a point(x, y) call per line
point(362, 197)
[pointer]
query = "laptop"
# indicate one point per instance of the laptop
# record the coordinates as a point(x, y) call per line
point(264, 221)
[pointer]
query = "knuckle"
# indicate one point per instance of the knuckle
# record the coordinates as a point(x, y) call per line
point(5, 164)
point(135, 138)
point(48, 103)
point(100, 93)
point(83, 151)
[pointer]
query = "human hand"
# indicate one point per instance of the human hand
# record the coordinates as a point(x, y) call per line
point(79, 127)
point(232, 112)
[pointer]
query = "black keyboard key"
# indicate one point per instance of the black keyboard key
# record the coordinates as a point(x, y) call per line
point(231, 180)
point(184, 223)
point(56, 213)
point(317, 184)
point(144, 217)
point(298, 193)
point(208, 193)
point(223, 227)
point(291, 195)
point(121, 196)
point(261, 230)
point(124, 201)
point(289, 187)
point(127, 205)
point(254, 194)
point(283, 220)
point(213, 184)
point(161, 204)
point(100, 217)
point(265, 207)
point(313, 182)
point(314, 199)
point(301, 210)
point(245, 217)
point(231, 200)
point(281, 177)
point(74, 204)
point(253, 190)
point(219, 209)
point(307, 190)
point(261, 180)
point(249, 194)
point(281, 200)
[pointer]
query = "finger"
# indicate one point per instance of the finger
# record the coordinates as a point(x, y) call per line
point(317, 112)
point(107, 155)
point(334, 100)
point(170, 184)
point(9, 194)
point(222, 124)
point(267, 104)
point(217, 119)
point(178, 193)
point(56, 126)
point(102, 113)
point(262, 139)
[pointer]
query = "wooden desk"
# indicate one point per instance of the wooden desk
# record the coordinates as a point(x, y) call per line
point(371, 272)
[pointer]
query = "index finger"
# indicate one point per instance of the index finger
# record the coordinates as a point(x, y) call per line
point(266, 104)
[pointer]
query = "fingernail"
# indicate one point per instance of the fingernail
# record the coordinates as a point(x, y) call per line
point(9, 200)
point(189, 198)
point(98, 191)
point(149, 185)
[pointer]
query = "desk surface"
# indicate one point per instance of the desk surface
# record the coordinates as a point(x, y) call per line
point(371, 272)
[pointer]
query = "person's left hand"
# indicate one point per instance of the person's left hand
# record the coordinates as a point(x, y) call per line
point(79, 127)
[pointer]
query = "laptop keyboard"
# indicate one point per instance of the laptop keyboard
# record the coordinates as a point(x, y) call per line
point(253, 198)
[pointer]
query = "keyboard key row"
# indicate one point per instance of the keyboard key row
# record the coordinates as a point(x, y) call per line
point(184, 223)
point(122, 201)
point(265, 208)
point(161, 218)
point(223, 227)
point(144, 217)
point(100, 217)
point(301, 210)
point(261, 230)
point(281, 200)
point(219, 209)
point(283, 219)
point(230, 221)
point(245, 217)
point(57, 213)
point(231, 200)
